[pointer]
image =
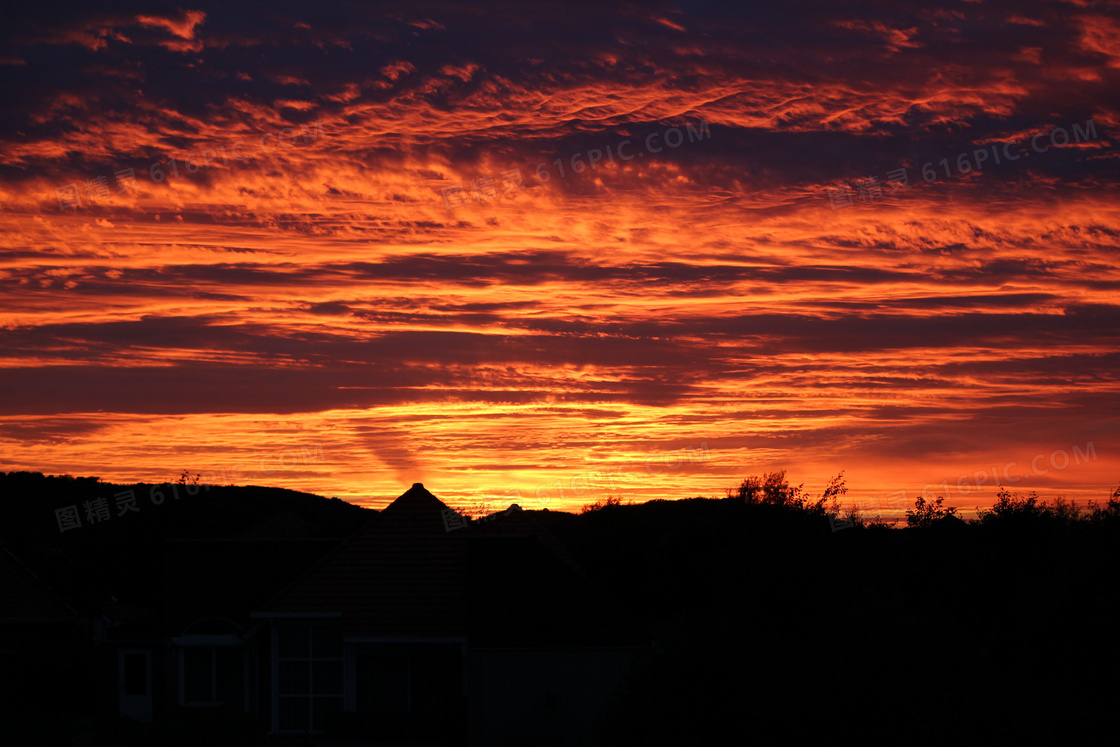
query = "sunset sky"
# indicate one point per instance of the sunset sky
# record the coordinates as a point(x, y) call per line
point(344, 250)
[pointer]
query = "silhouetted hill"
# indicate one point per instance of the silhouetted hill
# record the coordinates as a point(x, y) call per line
point(166, 510)
point(118, 554)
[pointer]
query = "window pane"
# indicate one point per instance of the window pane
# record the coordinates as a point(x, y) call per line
point(293, 642)
point(437, 678)
point(326, 642)
point(231, 676)
point(295, 678)
point(135, 674)
point(323, 709)
point(328, 678)
point(295, 714)
point(382, 683)
point(197, 675)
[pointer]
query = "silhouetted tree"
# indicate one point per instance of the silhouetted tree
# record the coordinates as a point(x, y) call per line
point(187, 479)
point(610, 500)
point(1013, 508)
point(1109, 512)
point(925, 514)
point(773, 489)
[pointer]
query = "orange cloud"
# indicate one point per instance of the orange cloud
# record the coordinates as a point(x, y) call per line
point(183, 27)
point(492, 270)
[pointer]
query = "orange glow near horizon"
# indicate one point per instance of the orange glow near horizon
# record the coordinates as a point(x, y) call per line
point(306, 303)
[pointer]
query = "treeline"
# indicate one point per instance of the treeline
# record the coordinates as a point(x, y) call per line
point(768, 622)
point(773, 491)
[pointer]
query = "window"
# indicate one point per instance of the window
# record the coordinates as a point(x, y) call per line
point(308, 675)
point(214, 675)
point(381, 683)
point(408, 678)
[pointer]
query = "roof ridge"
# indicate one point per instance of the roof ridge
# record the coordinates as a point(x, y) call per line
point(415, 497)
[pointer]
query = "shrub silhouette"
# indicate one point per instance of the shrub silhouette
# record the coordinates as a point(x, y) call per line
point(1109, 512)
point(926, 514)
point(773, 489)
point(609, 501)
point(1012, 509)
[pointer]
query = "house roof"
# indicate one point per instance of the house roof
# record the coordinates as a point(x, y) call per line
point(407, 573)
point(230, 577)
point(400, 575)
point(24, 598)
point(516, 521)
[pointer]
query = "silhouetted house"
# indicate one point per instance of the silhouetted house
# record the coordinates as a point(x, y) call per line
point(416, 629)
point(191, 648)
point(420, 628)
point(211, 660)
point(183, 643)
